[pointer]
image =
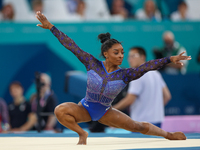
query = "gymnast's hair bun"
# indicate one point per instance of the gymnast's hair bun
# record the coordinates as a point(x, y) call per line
point(104, 37)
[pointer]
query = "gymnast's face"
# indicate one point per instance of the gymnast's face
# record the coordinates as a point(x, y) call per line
point(115, 54)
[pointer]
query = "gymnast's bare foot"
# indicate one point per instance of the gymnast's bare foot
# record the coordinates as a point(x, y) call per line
point(83, 138)
point(176, 136)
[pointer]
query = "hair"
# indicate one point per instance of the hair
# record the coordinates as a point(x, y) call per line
point(12, 14)
point(182, 3)
point(107, 42)
point(15, 83)
point(169, 33)
point(140, 50)
point(47, 78)
point(36, 2)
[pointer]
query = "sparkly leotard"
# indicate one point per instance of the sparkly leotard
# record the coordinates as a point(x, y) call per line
point(103, 87)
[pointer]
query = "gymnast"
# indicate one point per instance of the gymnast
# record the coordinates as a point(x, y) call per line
point(105, 80)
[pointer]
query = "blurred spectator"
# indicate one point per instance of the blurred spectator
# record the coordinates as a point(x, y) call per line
point(77, 8)
point(81, 8)
point(37, 5)
point(7, 13)
point(48, 102)
point(182, 13)
point(170, 48)
point(118, 8)
point(55, 10)
point(167, 7)
point(20, 7)
point(89, 10)
point(149, 90)
point(4, 124)
point(149, 12)
point(193, 10)
point(21, 117)
point(97, 10)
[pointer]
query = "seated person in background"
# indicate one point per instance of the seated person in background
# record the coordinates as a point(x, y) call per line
point(77, 8)
point(4, 125)
point(37, 5)
point(147, 95)
point(7, 13)
point(48, 102)
point(21, 116)
point(149, 12)
point(118, 8)
point(171, 47)
point(80, 10)
point(181, 14)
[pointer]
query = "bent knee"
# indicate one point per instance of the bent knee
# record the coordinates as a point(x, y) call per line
point(62, 109)
point(58, 111)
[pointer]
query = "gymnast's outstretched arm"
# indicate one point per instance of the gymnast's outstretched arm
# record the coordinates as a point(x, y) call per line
point(67, 42)
point(135, 73)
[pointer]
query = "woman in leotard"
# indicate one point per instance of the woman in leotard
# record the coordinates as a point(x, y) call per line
point(105, 80)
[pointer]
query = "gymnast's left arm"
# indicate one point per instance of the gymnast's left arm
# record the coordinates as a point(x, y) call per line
point(67, 42)
point(135, 73)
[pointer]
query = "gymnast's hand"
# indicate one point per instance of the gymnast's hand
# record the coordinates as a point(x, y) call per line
point(176, 59)
point(45, 23)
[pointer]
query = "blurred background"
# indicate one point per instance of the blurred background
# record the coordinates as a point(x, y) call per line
point(26, 49)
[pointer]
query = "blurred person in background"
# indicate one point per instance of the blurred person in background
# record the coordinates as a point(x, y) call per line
point(118, 8)
point(96, 10)
point(7, 13)
point(80, 10)
point(149, 12)
point(21, 9)
point(4, 117)
point(77, 8)
point(48, 102)
point(147, 95)
point(182, 13)
point(21, 116)
point(37, 5)
point(171, 47)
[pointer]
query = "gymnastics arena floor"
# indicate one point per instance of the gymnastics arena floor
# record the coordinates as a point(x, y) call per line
point(118, 140)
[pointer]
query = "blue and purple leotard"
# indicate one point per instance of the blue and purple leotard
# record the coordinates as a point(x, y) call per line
point(103, 87)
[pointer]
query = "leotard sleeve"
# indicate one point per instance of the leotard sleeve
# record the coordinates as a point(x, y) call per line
point(68, 43)
point(130, 74)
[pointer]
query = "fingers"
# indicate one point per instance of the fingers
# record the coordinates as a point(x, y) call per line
point(179, 63)
point(185, 58)
point(39, 25)
point(40, 15)
point(182, 53)
point(38, 18)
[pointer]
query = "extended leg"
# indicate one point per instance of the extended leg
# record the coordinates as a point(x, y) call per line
point(69, 114)
point(115, 118)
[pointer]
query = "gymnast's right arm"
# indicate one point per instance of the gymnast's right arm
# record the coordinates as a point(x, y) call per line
point(67, 42)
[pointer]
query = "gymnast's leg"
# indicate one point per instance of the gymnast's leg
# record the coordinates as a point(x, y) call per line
point(116, 118)
point(69, 114)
